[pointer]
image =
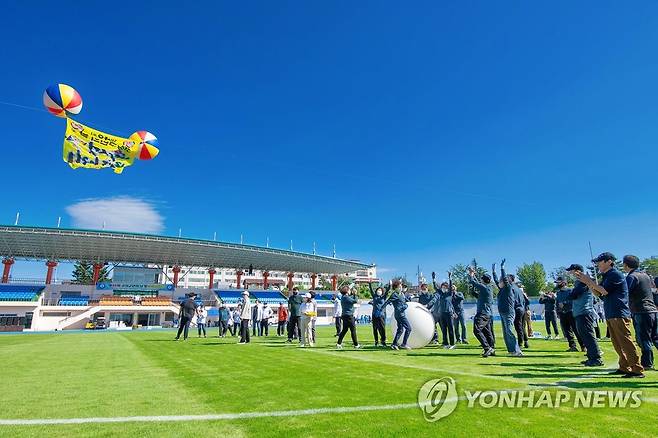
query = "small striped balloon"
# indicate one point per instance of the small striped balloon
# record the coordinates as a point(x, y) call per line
point(146, 145)
point(62, 100)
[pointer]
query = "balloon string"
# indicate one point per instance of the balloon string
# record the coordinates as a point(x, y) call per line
point(41, 110)
point(23, 106)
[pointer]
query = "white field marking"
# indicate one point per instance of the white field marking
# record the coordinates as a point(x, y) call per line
point(206, 417)
point(244, 415)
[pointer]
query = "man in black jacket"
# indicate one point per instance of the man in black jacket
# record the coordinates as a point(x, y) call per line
point(550, 317)
point(187, 312)
point(643, 309)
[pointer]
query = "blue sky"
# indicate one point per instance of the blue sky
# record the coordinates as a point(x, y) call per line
point(423, 134)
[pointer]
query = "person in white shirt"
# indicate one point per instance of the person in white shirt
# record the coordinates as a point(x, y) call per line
point(338, 311)
point(201, 316)
point(245, 317)
point(308, 310)
point(265, 320)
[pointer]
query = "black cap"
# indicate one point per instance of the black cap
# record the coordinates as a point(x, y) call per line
point(560, 280)
point(604, 257)
point(576, 267)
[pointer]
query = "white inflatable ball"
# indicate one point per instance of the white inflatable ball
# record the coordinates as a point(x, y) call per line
point(422, 325)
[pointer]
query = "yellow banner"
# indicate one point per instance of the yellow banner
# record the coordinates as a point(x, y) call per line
point(91, 149)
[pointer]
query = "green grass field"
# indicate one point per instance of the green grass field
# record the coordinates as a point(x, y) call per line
point(96, 374)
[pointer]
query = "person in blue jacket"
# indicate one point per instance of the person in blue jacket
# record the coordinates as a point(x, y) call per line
point(459, 322)
point(564, 312)
point(378, 303)
point(425, 298)
point(348, 300)
point(398, 300)
point(481, 323)
point(505, 302)
point(519, 312)
point(582, 307)
point(443, 302)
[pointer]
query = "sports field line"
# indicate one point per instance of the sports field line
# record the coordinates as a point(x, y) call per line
point(219, 417)
point(207, 417)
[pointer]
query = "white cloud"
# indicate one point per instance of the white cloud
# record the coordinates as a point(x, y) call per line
point(121, 213)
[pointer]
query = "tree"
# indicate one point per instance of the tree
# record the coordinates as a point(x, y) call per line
point(533, 277)
point(562, 272)
point(460, 275)
point(83, 273)
point(650, 266)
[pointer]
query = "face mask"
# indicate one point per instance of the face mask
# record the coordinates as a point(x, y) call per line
point(444, 289)
point(379, 293)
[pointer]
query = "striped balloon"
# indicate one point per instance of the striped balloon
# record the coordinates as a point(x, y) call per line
point(62, 100)
point(146, 145)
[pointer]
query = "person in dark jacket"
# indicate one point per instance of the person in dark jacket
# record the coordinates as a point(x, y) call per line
point(347, 301)
point(519, 312)
point(459, 322)
point(378, 303)
point(224, 316)
point(505, 302)
point(424, 298)
point(643, 309)
point(187, 312)
point(565, 313)
point(550, 317)
point(443, 302)
point(481, 323)
point(582, 305)
point(614, 291)
point(398, 300)
point(294, 305)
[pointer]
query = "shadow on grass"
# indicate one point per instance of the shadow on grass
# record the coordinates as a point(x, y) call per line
point(615, 383)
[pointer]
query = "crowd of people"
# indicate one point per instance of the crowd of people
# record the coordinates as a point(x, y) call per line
point(620, 300)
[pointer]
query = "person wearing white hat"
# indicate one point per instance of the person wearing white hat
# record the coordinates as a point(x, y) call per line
point(245, 317)
point(308, 310)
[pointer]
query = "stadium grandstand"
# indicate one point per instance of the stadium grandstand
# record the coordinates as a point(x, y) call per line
point(49, 305)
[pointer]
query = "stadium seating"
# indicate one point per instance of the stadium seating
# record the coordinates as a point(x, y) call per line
point(115, 300)
point(229, 296)
point(73, 300)
point(156, 301)
point(323, 297)
point(269, 297)
point(19, 292)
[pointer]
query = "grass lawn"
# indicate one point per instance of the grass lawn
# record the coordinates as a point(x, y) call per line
point(116, 374)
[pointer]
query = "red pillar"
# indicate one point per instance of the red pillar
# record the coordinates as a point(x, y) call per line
point(265, 283)
point(51, 264)
point(97, 272)
point(5, 273)
point(334, 282)
point(211, 272)
point(313, 278)
point(176, 270)
point(291, 275)
point(238, 280)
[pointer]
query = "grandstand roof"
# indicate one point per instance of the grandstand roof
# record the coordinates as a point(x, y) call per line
point(39, 243)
